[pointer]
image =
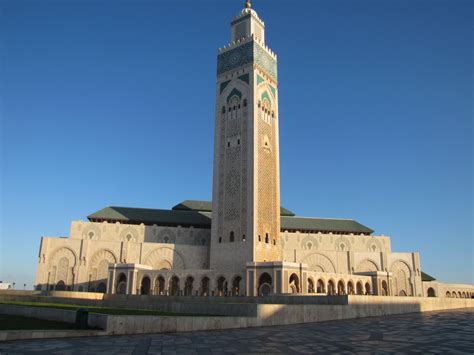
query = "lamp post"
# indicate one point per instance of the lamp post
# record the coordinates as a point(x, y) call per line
point(13, 285)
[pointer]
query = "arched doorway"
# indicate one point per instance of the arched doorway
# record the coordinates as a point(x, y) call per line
point(384, 288)
point(448, 294)
point(350, 288)
point(236, 285)
point(264, 284)
point(341, 289)
point(174, 288)
point(221, 286)
point(367, 289)
point(122, 284)
point(310, 285)
point(359, 288)
point(431, 292)
point(102, 287)
point(331, 288)
point(60, 286)
point(320, 287)
point(160, 285)
point(145, 287)
point(188, 286)
point(294, 283)
point(205, 286)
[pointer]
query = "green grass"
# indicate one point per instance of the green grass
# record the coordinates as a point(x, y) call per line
point(8, 322)
point(95, 309)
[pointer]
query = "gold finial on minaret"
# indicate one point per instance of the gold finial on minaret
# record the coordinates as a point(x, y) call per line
point(248, 5)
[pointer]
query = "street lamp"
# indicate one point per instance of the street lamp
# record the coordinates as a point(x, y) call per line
point(13, 285)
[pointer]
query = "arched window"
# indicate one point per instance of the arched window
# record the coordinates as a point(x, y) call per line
point(259, 238)
point(431, 292)
point(320, 286)
point(220, 239)
point(243, 237)
point(231, 238)
point(264, 284)
point(245, 102)
point(223, 109)
point(266, 238)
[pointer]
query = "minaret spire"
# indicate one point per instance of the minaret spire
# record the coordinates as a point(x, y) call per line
point(248, 5)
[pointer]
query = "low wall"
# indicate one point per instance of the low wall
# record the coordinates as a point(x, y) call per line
point(73, 294)
point(266, 314)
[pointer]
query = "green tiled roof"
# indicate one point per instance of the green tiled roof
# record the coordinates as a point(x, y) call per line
point(198, 214)
point(426, 277)
point(323, 225)
point(206, 206)
point(152, 216)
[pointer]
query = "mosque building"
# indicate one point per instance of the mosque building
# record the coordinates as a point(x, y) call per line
point(243, 243)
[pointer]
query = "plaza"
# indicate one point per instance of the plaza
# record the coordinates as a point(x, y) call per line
point(431, 332)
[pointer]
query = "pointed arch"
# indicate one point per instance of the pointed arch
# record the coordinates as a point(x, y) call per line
point(165, 258)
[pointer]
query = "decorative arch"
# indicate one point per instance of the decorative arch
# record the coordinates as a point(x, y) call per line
point(91, 232)
point(63, 252)
point(319, 262)
point(367, 265)
point(373, 245)
point(99, 264)
point(234, 93)
point(166, 235)
point(129, 234)
point(342, 244)
point(401, 274)
point(309, 242)
point(165, 258)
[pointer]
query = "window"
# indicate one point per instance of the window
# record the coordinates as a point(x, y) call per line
point(220, 239)
point(228, 144)
point(259, 238)
point(245, 102)
point(238, 141)
point(223, 109)
point(266, 238)
point(274, 242)
point(243, 237)
point(229, 109)
point(231, 237)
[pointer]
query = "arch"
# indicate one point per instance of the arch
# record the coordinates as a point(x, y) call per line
point(205, 286)
point(319, 262)
point(320, 287)
point(367, 265)
point(309, 242)
point(384, 288)
point(221, 286)
point(91, 232)
point(166, 235)
point(454, 295)
point(236, 285)
point(264, 284)
point(350, 288)
point(160, 285)
point(359, 288)
point(294, 282)
point(165, 258)
point(99, 265)
point(101, 287)
point(341, 288)
point(368, 290)
point(331, 287)
point(373, 245)
point(310, 285)
point(145, 286)
point(342, 244)
point(464, 294)
point(448, 294)
point(235, 93)
point(459, 294)
point(431, 292)
point(401, 277)
point(60, 286)
point(121, 284)
point(402, 293)
point(174, 286)
point(129, 234)
point(188, 286)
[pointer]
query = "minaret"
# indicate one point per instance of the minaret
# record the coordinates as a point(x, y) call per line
point(246, 181)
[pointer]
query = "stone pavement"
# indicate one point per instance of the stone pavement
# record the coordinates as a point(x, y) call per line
point(434, 332)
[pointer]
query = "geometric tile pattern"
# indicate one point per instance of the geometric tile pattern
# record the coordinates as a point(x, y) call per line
point(445, 332)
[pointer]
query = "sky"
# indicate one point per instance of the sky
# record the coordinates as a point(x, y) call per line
point(112, 103)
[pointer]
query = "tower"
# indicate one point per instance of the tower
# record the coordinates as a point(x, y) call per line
point(246, 181)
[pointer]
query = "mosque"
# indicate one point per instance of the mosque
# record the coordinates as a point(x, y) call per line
point(243, 242)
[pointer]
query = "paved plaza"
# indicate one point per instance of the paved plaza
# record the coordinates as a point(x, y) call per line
point(433, 332)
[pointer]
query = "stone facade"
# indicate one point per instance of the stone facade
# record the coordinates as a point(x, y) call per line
point(244, 243)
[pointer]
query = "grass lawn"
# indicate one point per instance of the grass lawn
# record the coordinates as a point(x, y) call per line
point(94, 309)
point(8, 322)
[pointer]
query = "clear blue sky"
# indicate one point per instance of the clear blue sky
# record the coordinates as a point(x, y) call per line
point(112, 103)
